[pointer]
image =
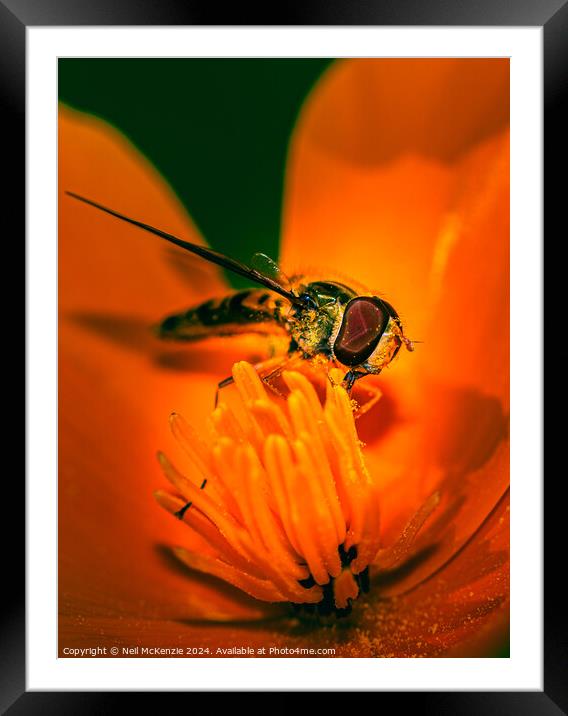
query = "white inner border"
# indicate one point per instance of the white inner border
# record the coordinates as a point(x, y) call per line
point(523, 671)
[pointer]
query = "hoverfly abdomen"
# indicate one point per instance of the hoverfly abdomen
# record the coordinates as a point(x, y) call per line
point(245, 311)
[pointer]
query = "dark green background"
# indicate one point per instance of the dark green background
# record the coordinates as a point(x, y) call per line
point(217, 130)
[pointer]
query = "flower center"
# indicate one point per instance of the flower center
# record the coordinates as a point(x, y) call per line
point(340, 591)
point(280, 493)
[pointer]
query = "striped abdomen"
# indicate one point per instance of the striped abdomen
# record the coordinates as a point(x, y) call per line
point(247, 311)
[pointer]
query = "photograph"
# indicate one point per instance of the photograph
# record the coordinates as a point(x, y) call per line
point(283, 357)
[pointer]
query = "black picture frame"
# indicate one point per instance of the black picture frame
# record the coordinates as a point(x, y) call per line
point(15, 17)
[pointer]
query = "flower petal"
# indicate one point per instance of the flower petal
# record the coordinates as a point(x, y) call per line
point(371, 171)
point(402, 183)
point(368, 111)
point(458, 435)
point(461, 611)
point(104, 263)
point(469, 279)
point(377, 226)
point(118, 384)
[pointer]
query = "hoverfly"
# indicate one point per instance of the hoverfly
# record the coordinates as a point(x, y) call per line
point(360, 334)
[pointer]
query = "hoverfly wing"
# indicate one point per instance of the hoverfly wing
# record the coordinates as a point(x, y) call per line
point(185, 266)
point(206, 253)
point(269, 268)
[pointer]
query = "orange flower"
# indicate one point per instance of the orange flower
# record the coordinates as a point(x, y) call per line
point(398, 177)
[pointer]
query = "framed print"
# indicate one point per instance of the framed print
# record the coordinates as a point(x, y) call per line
point(278, 329)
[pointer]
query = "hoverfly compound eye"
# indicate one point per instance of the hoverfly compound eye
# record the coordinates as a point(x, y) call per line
point(364, 321)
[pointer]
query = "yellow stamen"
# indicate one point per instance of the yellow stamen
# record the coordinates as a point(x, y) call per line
point(281, 495)
point(346, 588)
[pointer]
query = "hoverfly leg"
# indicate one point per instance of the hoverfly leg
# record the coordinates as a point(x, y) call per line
point(373, 391)
point(375, 394)
point(350, 378)
point(276, 366)
point(223, 384)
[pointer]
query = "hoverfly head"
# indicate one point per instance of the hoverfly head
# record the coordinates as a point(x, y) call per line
point(370, 334)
